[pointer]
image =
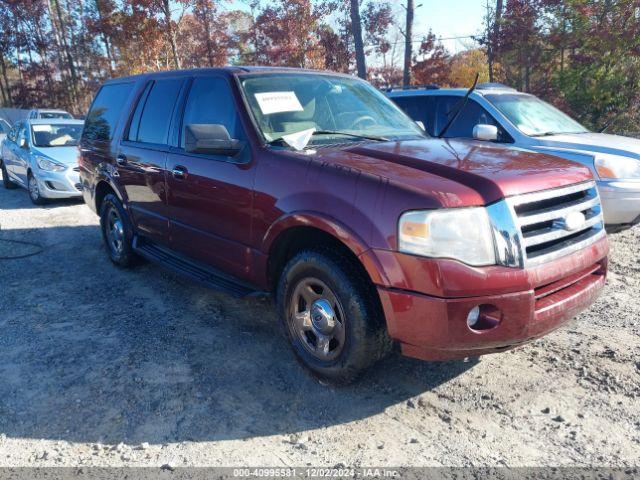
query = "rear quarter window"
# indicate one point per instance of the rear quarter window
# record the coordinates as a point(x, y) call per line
point(105, 111)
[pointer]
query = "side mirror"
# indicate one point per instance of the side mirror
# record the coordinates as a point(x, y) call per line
point(210, 139)
point(485, 132)
point(23, 143)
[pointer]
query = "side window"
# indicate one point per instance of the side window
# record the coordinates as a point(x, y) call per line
point(134, 127)
point(420, 109)
point(105, 111)
point(211, 101)
point(157, 111)
point(472, 114)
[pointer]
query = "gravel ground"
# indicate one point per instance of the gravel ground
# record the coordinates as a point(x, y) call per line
point(106, 367)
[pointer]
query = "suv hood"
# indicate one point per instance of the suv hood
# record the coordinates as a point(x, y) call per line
point(491, 170)
point(592, 143)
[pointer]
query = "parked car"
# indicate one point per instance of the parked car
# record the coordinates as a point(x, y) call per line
point(49, 114)
point(504, 115)
point(317, 188)
point(5, 127)
point(42, 156)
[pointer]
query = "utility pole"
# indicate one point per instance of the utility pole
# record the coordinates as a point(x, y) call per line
point(408, 44)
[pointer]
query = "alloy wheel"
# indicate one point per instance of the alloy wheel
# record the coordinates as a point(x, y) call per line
point(317, 318)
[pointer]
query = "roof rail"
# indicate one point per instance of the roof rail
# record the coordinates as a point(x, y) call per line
point(494, 86)
point(430, 86)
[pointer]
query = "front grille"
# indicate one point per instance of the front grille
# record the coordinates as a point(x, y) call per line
point(544, 220)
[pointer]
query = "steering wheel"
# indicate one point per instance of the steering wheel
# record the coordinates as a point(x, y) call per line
point(363, 119)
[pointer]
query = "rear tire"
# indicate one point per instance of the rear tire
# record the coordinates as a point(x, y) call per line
point(117, 232)
point(8, 184)
point(34, 190)
point(331, 315)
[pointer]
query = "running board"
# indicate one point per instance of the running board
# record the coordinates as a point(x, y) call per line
point(196, 271)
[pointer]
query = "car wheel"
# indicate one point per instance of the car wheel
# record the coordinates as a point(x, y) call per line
point(331, 315)
point(117, 231)
point(8, 184)
point(34, 190)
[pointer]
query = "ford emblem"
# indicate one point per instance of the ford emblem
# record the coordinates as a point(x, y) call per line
point(573, 221)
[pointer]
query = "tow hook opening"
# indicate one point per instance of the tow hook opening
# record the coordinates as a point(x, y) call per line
point(483, 317)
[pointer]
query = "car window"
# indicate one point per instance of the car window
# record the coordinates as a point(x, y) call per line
point(105, 111)
point(132, 134)
point(55, 135)
point(420, 108)
point(53, 115)
point(211, 101)
point(157, 112)
point(4, 127)
point(341, 108)
point(22, 133)
point(473, 114)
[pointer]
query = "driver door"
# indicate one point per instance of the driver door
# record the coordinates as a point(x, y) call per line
point(211, 196)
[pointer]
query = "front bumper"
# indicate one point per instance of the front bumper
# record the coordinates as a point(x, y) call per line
point(538, 301)
point(620, 202)
point(64, 184)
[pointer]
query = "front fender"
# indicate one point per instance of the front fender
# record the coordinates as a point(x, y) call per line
point(333, 227)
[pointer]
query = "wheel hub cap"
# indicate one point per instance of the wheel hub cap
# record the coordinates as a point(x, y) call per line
point(323, 317)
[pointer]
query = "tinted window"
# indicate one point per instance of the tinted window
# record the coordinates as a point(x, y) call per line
point(472, 114)
point(105, 111)
point(157, 112)
point(135, 120)
point(210, 101)
point(420, 109)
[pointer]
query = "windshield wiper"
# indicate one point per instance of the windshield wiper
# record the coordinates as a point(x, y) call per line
point(457, 109)
point(375, 138)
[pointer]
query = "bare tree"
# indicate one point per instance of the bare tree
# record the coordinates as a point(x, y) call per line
point(356, 26)
point(493, 32)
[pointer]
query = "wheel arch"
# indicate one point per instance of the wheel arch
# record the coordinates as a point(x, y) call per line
point(310, 230)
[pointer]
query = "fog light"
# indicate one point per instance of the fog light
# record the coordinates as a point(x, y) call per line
point(473, 317)
point(483, 317)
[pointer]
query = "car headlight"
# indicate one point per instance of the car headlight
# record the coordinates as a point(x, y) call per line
point(462, 234)
point(49, 165)
point(616, 167)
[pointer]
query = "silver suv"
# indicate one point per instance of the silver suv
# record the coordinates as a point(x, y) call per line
point(501, 114)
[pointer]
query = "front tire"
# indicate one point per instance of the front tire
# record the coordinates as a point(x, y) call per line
point(331, 315)
point(34, 190)
point(117, 232)
point(8, 184)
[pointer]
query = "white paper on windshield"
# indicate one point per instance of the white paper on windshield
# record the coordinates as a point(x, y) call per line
point(299, 140)
point(41, 128)
point(278, 102)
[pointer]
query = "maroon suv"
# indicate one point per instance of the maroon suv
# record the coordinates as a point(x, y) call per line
point(315, 187)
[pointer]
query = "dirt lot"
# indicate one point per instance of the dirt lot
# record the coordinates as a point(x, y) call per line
point(101, 366)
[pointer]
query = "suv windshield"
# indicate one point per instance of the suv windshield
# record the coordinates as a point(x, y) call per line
point(56, 135)
point(534, 117)
point(339, 109)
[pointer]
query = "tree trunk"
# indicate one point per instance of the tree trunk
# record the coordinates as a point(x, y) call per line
point(3, 70)
point(67, 55)
point(356, 27)
point(105, 37)
point(171, 38)
point(493, 38)
point(408, 44)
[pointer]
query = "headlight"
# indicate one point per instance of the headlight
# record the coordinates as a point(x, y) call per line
point(459, 233)
point(51, 166)
point(615, 166)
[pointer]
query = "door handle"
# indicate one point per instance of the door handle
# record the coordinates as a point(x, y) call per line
point(121, 159)
point(179, 172)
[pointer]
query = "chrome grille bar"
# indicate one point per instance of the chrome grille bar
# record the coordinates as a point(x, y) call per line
point(543, 221)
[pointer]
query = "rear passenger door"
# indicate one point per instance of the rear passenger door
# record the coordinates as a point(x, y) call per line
point(210, 196)
point(142, 157)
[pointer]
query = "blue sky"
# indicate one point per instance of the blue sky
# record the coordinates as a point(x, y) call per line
point(447, 18)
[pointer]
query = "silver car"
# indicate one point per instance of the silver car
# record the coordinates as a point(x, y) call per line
point(42, 156)
point(501, 114)
point(49, 114)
